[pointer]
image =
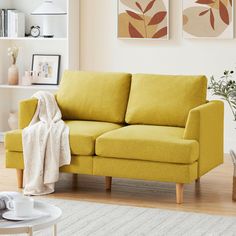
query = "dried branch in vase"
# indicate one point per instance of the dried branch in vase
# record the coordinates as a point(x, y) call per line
point(13, 53)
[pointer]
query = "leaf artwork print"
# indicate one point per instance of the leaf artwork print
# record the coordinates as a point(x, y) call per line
point(143, 19)
point(208, 18)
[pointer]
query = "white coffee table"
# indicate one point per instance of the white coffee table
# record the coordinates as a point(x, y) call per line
point(29, 227)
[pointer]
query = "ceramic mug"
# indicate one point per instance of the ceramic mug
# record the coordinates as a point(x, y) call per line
point(22, 206)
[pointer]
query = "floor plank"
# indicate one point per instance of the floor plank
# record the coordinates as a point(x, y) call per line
point(212, 195)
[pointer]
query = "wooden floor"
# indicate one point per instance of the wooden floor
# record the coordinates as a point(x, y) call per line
point(213, 195)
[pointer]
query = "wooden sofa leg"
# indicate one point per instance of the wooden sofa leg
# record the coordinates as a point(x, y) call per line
point(108, 183)
point(75, 177)
point(19, 175)
point(179, 193)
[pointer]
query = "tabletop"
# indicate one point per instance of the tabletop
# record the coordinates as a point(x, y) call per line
point(54, 214)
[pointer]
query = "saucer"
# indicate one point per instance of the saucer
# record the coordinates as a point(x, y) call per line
point(10, 215)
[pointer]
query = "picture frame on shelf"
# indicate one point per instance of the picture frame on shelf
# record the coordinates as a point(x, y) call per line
point(46, 68)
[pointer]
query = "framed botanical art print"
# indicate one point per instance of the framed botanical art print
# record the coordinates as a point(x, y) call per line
point(143, 19)
point(208, 19)
point(46, 68)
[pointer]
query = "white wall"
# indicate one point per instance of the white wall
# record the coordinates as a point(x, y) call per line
point(101, 50)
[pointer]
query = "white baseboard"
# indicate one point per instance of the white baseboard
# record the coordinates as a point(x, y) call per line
point(1, 137)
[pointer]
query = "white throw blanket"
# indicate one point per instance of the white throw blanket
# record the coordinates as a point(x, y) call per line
point(45, 146)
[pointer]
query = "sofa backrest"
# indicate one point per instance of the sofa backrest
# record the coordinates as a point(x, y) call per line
point(94, 96)
point(164, 99)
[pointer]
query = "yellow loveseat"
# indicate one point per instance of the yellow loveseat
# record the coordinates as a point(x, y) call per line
point(150, 127)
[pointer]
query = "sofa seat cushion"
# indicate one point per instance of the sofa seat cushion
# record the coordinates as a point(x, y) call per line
point(82, 136)
point(164, 99)
point(149, 143)
point(94, 96)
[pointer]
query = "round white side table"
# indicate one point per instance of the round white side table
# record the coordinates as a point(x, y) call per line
point(31, 226)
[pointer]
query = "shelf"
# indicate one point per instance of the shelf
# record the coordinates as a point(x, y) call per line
point(32, 87)
point(65, 43)
point(33, 39)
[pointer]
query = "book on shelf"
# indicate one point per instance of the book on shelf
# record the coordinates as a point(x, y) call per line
point(1, 23)
point(12, 23)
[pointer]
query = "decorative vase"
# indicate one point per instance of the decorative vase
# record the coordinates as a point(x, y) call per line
point(13, 120)
point(13, 75)
point(27, 79)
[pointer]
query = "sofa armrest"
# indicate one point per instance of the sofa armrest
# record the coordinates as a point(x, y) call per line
point(206, 125)
point(27, 109)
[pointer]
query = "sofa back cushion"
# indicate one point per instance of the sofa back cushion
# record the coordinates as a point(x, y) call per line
point(164, 99)
point(94, 96)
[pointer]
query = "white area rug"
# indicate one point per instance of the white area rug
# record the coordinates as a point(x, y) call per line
point(94, 219)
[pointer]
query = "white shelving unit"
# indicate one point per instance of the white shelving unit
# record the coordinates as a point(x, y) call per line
point(32, 87)
point(33, 39)
point(64, 43)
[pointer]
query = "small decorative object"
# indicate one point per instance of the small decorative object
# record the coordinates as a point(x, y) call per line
point(35, 31)
point(13, 120)
point(143, 19)
point(47, 68)
point(27, 78)
point(13, 73)
point(47, 9)
point(208, 19)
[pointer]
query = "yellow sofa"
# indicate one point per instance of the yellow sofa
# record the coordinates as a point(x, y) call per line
point(149, 127)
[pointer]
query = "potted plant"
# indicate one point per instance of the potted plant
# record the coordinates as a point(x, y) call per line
point(225, 88)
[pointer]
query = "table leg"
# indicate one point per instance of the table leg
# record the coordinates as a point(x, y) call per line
point(30, 232)
point(54, 230)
